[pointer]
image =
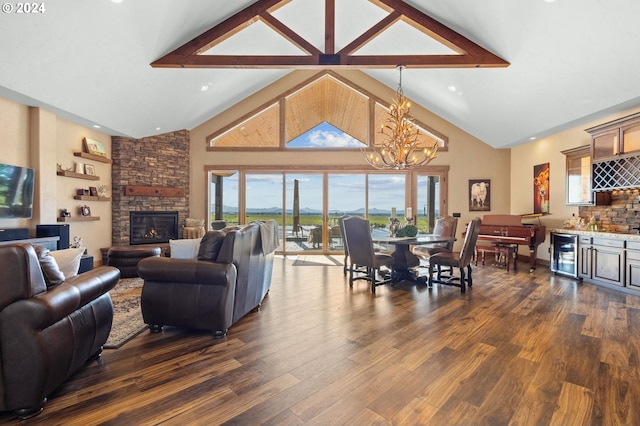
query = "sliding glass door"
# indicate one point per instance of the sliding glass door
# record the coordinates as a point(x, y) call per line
point(307, 206)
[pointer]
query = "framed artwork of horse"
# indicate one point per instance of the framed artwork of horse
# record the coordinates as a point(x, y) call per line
point(541, 188)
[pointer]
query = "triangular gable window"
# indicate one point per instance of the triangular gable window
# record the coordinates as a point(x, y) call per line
point(325, 135)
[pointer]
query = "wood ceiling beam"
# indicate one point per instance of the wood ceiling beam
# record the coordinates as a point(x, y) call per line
point(320, 61)
point(190, 54)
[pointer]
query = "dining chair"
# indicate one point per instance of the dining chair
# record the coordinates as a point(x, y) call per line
point(365, 263)
point(460, 260)
point(446, 226)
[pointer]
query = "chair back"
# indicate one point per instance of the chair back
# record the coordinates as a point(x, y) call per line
point(358, 241)
point(469, 243)
point(342, 234)
point(446, 226)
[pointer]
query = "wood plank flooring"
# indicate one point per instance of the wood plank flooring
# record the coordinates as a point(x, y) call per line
point(516, 349)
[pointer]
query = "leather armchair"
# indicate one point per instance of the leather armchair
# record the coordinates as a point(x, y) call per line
point(210, 294)
point(46, 334)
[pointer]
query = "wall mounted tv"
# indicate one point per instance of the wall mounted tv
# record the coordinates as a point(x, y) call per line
point(16, 191)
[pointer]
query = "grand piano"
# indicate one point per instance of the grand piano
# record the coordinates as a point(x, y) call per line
point(509, 229)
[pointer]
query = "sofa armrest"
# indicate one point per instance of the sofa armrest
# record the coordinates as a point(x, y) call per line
point(57, 302)
point(162, 269)
point(94, 283)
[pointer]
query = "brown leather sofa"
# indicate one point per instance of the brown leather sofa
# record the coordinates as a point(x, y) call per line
point(228, 280)
point(47, 333)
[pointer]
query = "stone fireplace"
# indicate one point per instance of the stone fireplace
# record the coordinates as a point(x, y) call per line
point(148, 227)
point(160, 161)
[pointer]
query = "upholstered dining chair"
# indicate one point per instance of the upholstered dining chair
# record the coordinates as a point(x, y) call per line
point(358, 244)
point(446, 226)
point(460, 260)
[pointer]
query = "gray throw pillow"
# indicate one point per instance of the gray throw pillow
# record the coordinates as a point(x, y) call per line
point(210, 245)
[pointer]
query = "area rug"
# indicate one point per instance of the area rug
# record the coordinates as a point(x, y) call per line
point(316, 260)
point(127, 316)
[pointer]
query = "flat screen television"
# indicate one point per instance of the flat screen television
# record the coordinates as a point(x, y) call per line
point(16, 191)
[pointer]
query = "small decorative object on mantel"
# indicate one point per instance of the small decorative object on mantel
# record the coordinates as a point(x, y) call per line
point(93, 191)
point(65, 213)
point(61, 168)
point(85, 210)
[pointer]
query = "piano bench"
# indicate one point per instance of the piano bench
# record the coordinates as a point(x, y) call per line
point(504, 254)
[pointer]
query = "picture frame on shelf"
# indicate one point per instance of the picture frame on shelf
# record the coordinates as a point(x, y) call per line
point(94, 147)
point(93, 191)
point(89, 169)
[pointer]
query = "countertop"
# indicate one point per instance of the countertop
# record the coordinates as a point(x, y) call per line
point(603, 234)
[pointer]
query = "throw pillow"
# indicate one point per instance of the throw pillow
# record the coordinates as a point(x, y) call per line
point(68, 260)
point(210, 245)
point(184, 249)
point(52, 273)
point(194, 223)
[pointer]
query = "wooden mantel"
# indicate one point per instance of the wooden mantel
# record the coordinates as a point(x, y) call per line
point(153, 191)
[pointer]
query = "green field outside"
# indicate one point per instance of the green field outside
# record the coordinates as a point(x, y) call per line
point(377, 221)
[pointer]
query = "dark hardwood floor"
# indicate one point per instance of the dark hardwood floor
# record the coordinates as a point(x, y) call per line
point(518, 348)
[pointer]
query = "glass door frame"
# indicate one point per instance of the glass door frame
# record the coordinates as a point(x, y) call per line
point(411, 190)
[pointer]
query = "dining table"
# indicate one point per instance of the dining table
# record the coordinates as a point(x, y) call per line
point(405, 262)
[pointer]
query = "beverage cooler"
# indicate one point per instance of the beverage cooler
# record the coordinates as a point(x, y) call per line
point(564, 254)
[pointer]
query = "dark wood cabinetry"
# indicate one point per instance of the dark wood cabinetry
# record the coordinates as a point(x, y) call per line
point(615, 154)
point(610, 261)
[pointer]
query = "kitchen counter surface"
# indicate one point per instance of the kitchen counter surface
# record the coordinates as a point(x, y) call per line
point(603, 234)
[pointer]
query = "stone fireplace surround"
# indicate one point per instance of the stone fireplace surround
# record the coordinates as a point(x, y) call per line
point(155, 161)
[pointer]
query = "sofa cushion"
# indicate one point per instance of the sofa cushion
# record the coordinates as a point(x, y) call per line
point(184, 249)
point(52, 273)
point(210, 245)
point(68, 260)
point(193, 223)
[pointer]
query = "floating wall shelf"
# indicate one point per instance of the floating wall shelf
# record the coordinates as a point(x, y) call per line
point(78, 219)
point(93, 157)
point(77, 175)
point(91, 198)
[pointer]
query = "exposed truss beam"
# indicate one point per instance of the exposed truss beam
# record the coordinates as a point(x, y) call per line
point(468, 54)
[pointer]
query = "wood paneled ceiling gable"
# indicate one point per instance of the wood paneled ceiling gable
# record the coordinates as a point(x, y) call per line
point(324, 97)
point(464, 52)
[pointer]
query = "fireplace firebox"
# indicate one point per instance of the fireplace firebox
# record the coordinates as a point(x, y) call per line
point(148, 227)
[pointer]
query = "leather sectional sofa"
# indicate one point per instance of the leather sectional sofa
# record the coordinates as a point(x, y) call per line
point(230, 277)
point(47, 331)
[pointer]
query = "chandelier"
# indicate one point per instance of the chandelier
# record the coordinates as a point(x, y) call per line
point(401, 148)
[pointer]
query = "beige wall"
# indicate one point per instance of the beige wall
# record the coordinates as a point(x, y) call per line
point(468, 158)
point(34, 137)
point(548, 150)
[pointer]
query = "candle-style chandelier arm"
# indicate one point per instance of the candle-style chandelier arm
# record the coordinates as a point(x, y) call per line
point(402, 148)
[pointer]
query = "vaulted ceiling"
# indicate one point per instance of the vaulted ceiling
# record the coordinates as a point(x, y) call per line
point(570, 62)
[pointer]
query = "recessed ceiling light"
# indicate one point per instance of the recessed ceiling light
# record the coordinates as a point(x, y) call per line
point(96, 126)
point(532, 138)
point(204, 88)
point(158, 128)
point(117, 1)
point(451, 88)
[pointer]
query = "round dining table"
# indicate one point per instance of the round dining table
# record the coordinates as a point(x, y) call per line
point(404, 261)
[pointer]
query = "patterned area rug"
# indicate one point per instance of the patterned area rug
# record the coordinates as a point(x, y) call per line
point(127, 316)
point(316, 260)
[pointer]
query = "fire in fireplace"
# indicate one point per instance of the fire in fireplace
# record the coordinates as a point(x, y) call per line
point(148, 227)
